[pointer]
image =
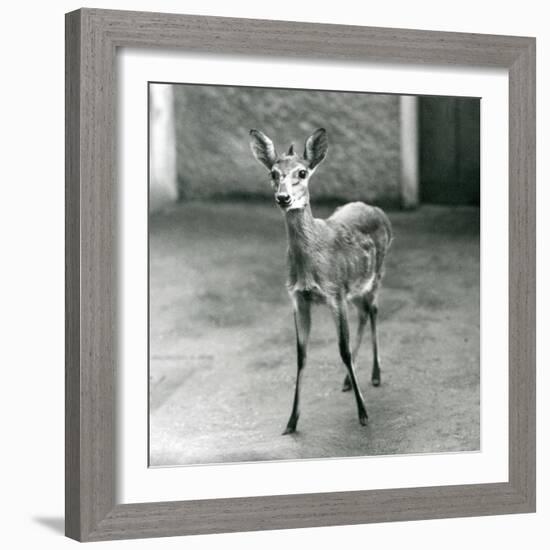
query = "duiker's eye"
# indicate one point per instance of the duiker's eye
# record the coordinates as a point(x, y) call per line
point(274, 174)
point(302, 174)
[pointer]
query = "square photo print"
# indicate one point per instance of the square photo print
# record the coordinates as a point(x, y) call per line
point(314, 274)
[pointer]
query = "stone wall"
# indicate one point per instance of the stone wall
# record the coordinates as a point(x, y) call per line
point(214, 158)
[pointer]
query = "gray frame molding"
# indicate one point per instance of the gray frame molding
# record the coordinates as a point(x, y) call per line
point(92, 37)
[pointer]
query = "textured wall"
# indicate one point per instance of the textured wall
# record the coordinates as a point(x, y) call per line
point(214, 159)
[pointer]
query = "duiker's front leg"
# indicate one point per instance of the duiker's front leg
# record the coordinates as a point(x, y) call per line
point(362, 321)
point(302, 321)
point(341, 318)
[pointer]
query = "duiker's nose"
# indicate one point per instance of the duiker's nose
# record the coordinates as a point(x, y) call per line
point(282, 198)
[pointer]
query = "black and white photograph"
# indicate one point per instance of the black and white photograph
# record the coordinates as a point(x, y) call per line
point(314, 274)
point(270, 275)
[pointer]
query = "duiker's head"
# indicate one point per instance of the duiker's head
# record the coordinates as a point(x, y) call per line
point(290, 173)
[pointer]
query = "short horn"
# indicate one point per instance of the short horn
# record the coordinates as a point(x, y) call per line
point(291, 149)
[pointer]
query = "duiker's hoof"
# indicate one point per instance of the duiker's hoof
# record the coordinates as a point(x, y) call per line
point(376, 377)
point(346, 386)
point(363, 418)
point(291, 426)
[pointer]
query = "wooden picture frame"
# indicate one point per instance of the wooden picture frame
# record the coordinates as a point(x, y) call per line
point(92, 39)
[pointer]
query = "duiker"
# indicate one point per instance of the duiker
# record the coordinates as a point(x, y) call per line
point(334, 261)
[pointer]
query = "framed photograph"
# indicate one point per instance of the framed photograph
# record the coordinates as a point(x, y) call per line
point(300, 275)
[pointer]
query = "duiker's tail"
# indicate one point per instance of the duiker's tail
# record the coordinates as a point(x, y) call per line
point(387, 226)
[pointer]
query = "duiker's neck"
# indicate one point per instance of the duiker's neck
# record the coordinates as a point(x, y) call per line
point(300, 228)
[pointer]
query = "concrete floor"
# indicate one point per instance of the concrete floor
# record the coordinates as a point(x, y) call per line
point(222, 345)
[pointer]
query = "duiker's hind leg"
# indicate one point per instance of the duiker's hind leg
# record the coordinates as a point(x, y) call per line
point(373, 314)
point(368, 310)
point(362, 321)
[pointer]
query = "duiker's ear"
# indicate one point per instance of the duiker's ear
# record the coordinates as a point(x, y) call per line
point(316, 147)
point(263, 148)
